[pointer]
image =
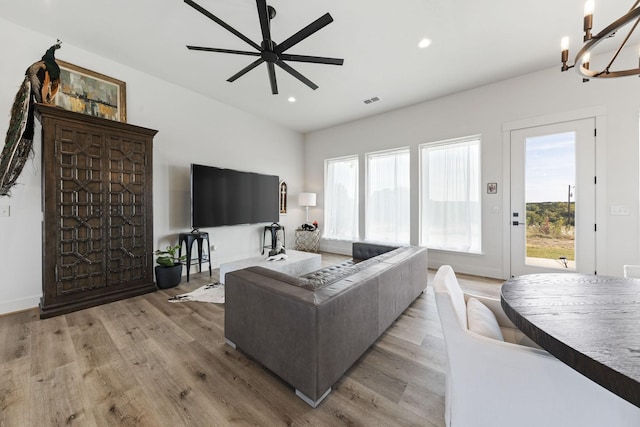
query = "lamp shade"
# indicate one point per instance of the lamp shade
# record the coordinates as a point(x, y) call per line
point(307, 199)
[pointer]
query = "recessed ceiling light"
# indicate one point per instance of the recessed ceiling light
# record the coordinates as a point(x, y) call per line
point(291, 99)
point(424, 43)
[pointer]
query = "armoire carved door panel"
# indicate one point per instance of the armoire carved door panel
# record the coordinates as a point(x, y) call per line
point(127, 255)
point(80, 261)
point(98, 211)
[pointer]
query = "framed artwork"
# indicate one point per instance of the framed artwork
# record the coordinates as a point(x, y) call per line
point(85, 91)
point(492, 188)
point(283, 198)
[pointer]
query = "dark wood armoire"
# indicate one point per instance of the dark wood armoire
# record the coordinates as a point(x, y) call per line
point(97, 210)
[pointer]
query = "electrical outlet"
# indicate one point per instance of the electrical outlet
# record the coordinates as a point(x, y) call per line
point(4, 211)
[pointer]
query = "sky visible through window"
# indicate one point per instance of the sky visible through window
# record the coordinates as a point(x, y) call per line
point(550, 167)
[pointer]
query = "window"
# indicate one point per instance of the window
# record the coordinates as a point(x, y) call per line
point(387, 209)
point(450, 195)
point(341, 198)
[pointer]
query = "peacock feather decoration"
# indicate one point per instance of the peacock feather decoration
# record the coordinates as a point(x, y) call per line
point(40, 85)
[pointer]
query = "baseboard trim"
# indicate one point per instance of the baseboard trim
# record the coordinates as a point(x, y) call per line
point(19, 304)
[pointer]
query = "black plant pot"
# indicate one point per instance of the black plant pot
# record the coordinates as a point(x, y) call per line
point(168, 277)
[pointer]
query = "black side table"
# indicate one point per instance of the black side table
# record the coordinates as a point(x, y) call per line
point(188, 239)
point(273, 228)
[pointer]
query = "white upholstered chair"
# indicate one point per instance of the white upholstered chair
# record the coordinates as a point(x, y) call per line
point(497, 383)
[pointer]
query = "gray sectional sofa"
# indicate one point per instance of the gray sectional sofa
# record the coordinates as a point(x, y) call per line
point(309, 330)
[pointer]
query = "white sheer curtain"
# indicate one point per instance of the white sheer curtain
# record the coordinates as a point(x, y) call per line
point(387, 213)
point(450, 195)
point(341, 199)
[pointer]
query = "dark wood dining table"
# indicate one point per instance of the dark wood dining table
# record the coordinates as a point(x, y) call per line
point(591, 323)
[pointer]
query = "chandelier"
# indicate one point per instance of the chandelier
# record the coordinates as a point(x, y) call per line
point(581, 61)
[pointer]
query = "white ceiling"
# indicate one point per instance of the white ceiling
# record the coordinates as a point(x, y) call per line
point(474, 43)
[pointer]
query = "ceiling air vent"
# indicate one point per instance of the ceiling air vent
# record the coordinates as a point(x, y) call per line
point(371, 100)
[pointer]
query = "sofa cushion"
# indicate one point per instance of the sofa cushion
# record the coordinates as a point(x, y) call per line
point(482, 321)
point(325, 276)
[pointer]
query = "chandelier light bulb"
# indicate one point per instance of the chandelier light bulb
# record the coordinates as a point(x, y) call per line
point(588, 7)
point(564, 44)
point(586, 58)
point(588, 19)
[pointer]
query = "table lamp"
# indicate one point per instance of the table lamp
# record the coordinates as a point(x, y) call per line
point(306, 200)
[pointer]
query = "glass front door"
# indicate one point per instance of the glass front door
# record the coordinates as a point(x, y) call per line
point(553, 198)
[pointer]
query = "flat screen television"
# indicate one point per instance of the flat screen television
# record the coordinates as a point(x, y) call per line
point(229, 197)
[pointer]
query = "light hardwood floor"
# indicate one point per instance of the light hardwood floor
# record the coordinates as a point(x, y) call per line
point(147, 362)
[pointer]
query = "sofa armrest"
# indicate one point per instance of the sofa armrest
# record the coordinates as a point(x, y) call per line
point(273, 322)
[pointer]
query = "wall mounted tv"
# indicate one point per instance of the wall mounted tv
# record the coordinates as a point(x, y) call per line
point(229, 197)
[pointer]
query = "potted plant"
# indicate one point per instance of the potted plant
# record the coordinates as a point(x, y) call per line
point(169, 268)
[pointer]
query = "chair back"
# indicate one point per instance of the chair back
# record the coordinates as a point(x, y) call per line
point(500, 384)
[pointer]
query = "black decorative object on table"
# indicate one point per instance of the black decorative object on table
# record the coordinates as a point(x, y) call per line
point(269, 51)
point(188, 239)
point(273, 228)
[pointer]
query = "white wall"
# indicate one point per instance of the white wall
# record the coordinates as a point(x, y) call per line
point(485, 111)
point(191, 128)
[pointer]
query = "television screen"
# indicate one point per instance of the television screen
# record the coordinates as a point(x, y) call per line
point(229, 197)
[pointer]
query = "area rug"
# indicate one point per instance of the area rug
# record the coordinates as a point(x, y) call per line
point(213, 292)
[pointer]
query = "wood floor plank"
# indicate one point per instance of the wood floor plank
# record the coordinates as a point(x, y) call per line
point(121, 324)
point(51, 342)
point(147, 362)
point(170, 394)
point(424, 403)
point(353, 404)
point(15, 335)
point(93, 345)
point(131, 408)
point(111, 380)
point(58, 398)
point(155, 325)
point(14, 392)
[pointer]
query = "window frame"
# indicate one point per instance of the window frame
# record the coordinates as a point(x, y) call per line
point(422, 170)
point(367, 157)
point(356, 232)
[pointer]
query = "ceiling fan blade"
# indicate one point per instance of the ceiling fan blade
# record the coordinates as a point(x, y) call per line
point(272, 78)
point(213, 49)
point(313, 59)
point(265, 24)
point(245, 70)
point(223, 24)
point(316, 25)
point(296, 74)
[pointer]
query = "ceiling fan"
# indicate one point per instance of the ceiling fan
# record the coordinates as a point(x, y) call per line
point(269, 51)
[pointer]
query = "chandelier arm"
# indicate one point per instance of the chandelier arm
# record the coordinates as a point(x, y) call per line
point(624, 42)
point(601, 36)
point(634, 5)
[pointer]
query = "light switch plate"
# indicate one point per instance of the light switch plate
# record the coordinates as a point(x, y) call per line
point(4, 211)
point(619, 210)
